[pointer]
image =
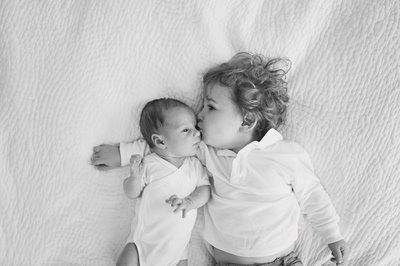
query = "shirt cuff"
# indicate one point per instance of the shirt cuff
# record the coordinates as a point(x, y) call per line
point(125, 150)
point(331, 233)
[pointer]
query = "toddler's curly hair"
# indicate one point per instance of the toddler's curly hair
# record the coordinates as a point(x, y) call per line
point(258, 88)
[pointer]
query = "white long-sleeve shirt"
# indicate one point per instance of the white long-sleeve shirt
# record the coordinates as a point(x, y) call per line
point(258, 195)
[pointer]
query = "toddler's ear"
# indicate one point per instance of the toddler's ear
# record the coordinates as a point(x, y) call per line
point(158, 141)
point(249, 123)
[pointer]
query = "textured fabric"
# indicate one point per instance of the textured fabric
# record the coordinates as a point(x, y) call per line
point(75, 74)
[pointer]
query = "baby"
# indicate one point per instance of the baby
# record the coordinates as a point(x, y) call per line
point(168, 175)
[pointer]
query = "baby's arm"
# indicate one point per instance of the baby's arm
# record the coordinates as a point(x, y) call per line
point(199, 196)
point(133, 184)
point(107, 157)
point(195, 200)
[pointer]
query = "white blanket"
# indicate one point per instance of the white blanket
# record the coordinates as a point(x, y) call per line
point(74, 74)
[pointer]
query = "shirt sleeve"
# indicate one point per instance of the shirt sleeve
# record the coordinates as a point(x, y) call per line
point(201, 173)
point(127, 149)
point(313, 199)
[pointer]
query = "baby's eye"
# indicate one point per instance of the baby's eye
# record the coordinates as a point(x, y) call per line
point(186, 130)
point(210, 107)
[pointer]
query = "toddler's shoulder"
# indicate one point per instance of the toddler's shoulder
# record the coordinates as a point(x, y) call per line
point(284, 153)
point(290, 146)
point(283, 148)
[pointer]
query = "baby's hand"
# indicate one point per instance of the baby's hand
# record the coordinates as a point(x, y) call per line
point(183, 205)
point(339, 251)
point(136, 168)
point(106, 157)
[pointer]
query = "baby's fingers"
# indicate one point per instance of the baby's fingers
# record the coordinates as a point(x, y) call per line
point(136, 159)
point(181, 207)
point(174, 200)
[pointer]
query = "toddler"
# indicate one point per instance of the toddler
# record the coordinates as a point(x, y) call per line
point(169, 174)
point(261, 184)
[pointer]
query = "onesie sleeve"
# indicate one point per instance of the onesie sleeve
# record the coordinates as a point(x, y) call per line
point(127, 149)
point(313, 199)
point(201, 173)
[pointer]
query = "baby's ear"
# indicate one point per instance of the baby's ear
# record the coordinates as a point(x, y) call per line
point(158, 141)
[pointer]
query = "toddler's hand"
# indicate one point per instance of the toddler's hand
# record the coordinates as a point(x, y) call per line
point(339, 251)
point(183, 205)
point(106, 157)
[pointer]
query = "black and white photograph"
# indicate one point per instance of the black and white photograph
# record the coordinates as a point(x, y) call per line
point(200, 133)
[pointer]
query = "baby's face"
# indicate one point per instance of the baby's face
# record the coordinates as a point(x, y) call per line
point(179, 132)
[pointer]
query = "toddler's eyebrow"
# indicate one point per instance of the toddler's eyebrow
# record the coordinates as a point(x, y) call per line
point(210, 99)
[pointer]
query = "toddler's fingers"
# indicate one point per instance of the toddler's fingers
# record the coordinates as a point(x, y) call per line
point(97, 160)
point(336, 262)
point(96, 149)
point(344, 253)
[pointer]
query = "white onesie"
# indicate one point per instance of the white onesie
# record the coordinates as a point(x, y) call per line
point(161, 236)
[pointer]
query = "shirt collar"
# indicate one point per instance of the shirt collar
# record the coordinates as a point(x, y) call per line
point(270, 138)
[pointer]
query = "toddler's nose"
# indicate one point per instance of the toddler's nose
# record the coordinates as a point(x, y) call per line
point(200, 115)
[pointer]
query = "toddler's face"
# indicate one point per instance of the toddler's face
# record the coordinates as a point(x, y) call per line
point(179, 132)
point(220, 119)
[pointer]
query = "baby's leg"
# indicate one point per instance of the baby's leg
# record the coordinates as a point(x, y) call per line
point(129, 256)
point(182, 263)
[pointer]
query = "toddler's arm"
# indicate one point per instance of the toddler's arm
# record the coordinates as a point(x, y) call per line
point(107, 157)
point(133, 184)
point(317, 206)
point(195, 200)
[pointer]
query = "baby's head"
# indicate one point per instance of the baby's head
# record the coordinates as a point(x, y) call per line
point(247, 94)
point(169, 126)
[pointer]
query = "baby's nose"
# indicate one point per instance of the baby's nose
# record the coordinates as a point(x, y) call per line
point(196, 133)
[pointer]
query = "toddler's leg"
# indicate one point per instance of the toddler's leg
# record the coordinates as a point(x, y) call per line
point(129, 256)
point(182, 263)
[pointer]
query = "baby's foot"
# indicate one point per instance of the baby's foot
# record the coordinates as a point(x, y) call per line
point(136, 165)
